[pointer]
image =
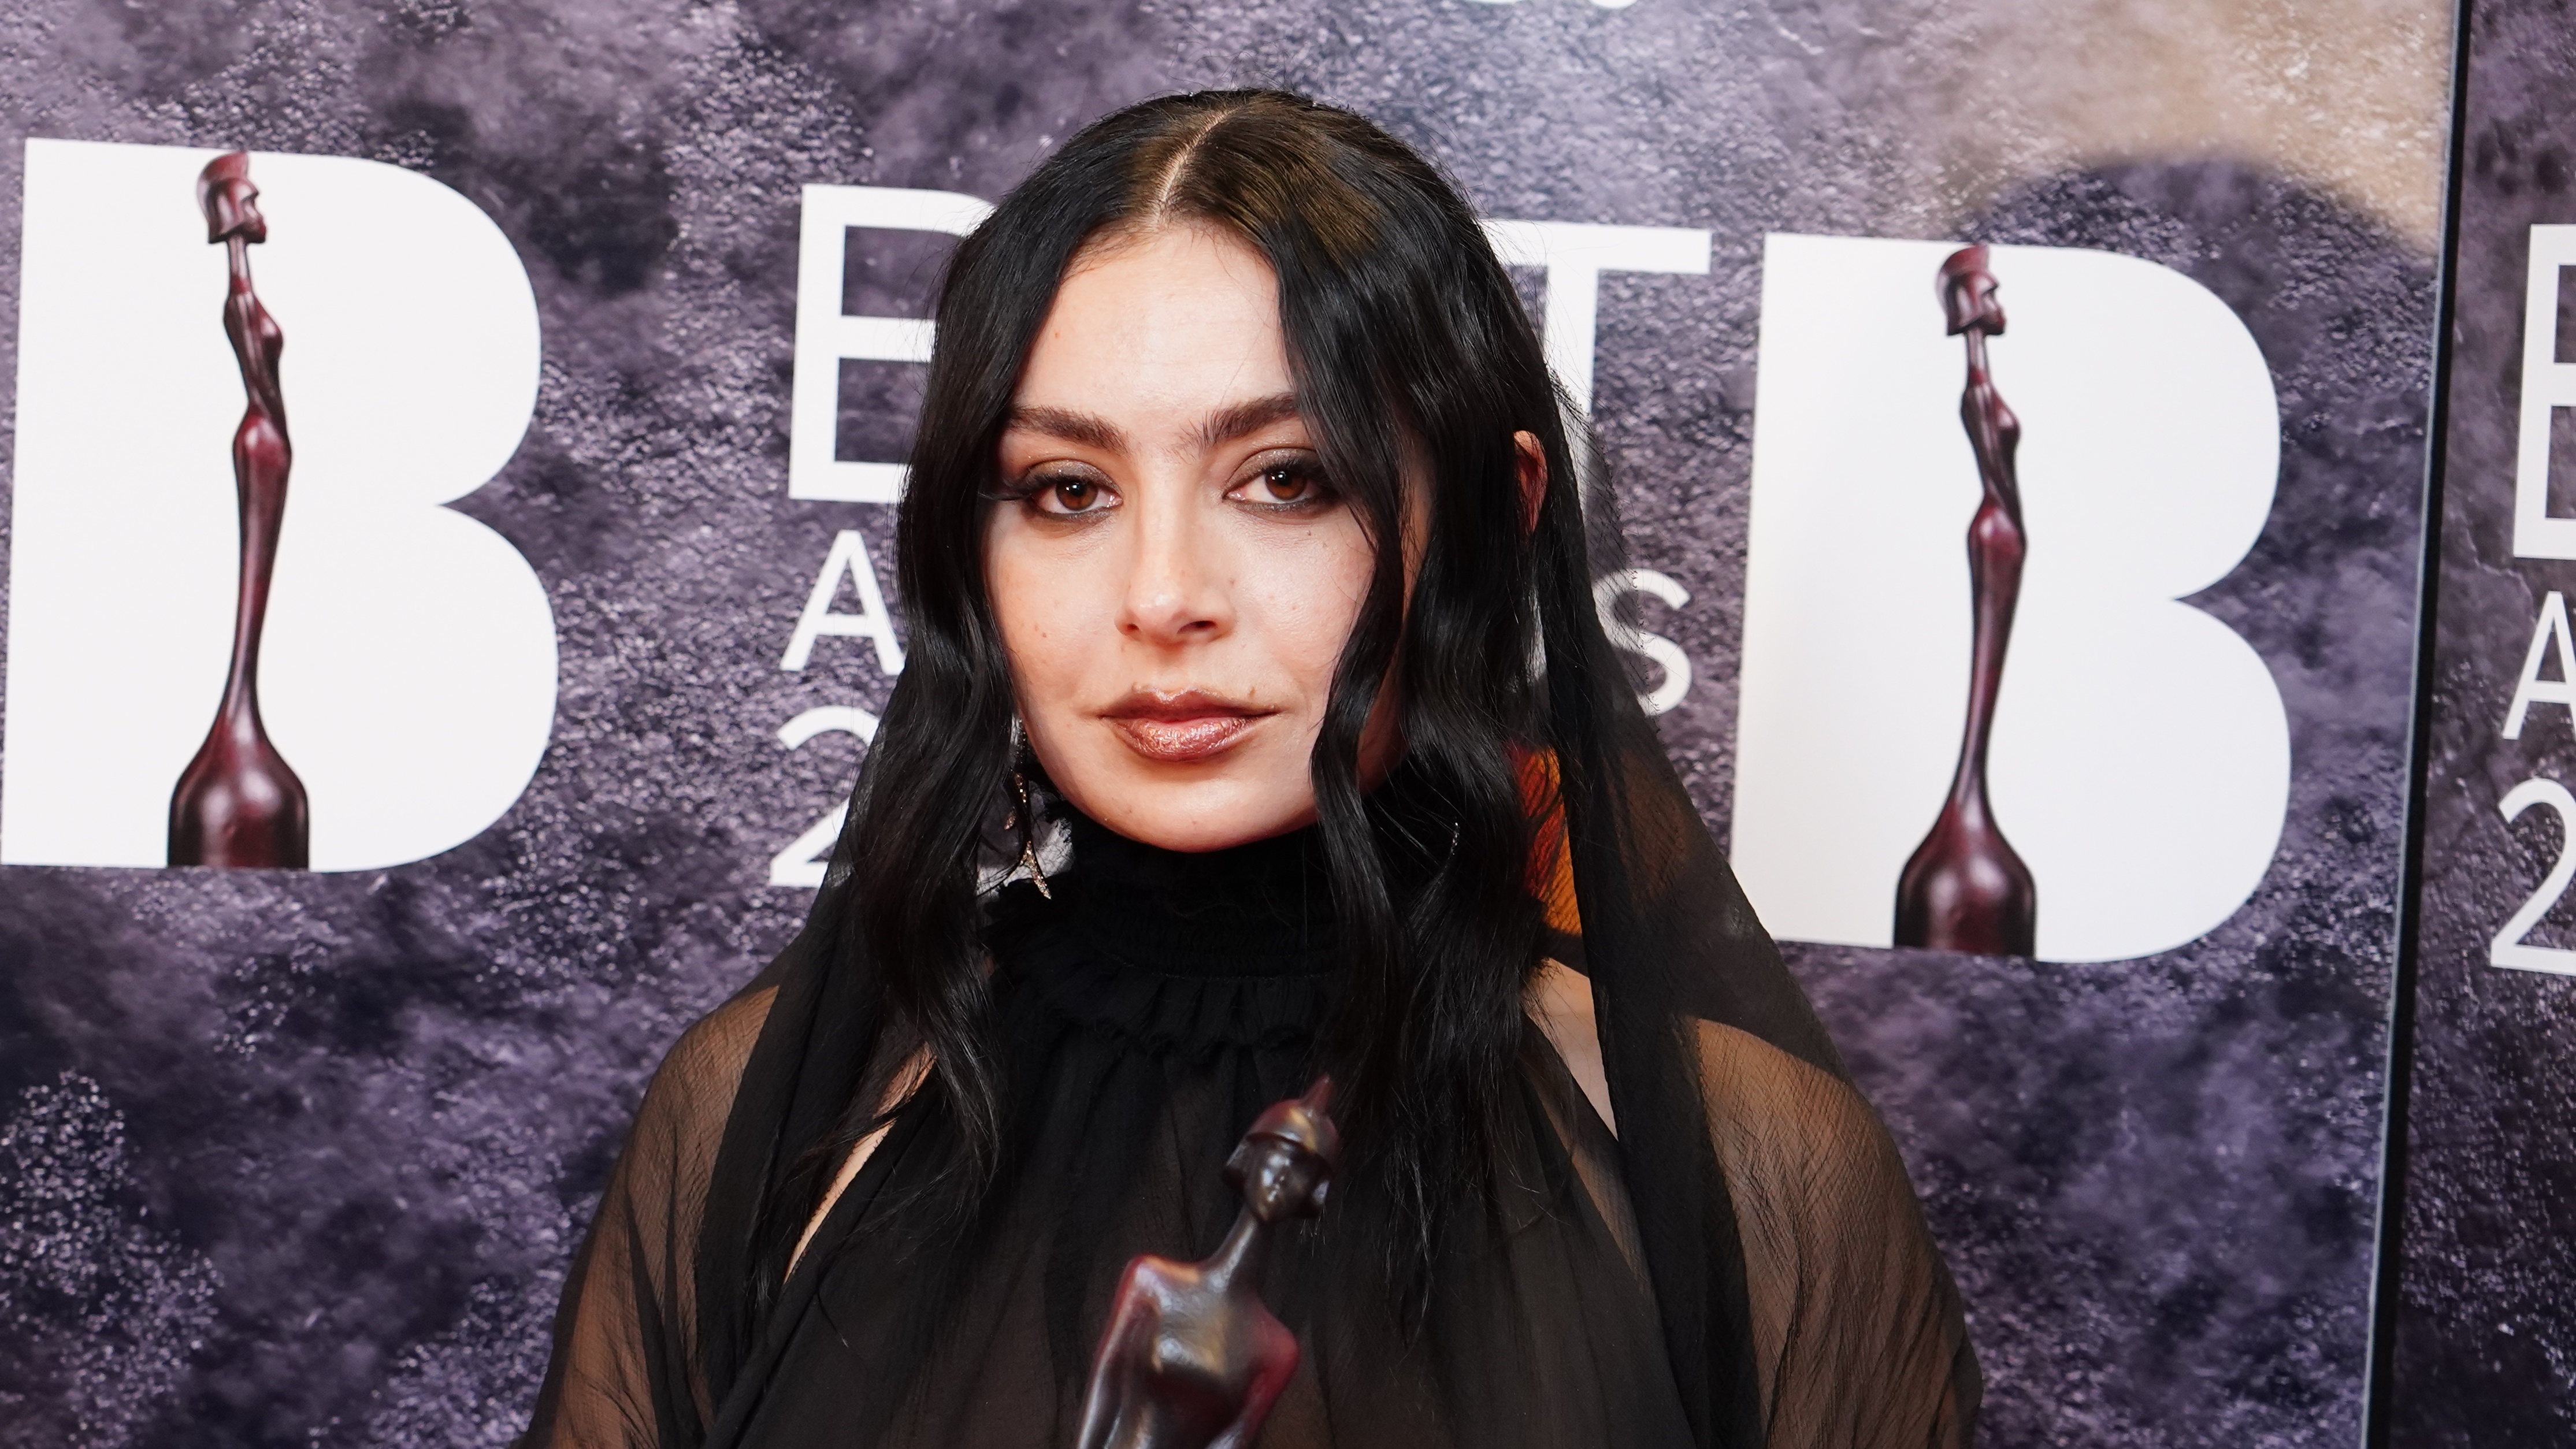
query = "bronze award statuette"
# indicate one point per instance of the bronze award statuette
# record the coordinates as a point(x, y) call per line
point(1965, 889)
point(237, 803)
point(1192, 1358)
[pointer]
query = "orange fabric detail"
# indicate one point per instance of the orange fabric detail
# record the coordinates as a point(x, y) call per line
point(1551, 867)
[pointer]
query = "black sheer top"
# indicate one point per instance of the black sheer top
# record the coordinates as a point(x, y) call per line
point(1151, 1009)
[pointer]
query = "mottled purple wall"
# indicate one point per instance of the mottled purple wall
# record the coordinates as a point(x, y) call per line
point(2486, 1327)
point(295, 1159)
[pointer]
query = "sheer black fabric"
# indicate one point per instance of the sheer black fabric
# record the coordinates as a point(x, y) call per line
point(1743, 1263)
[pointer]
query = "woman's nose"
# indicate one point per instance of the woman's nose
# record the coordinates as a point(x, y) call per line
point(1176, 590)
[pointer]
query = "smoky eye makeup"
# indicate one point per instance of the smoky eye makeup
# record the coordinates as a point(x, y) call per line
point(1058, 490)
point(1290, 483)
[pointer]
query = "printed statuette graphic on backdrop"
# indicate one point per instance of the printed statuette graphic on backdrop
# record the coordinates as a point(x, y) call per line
point(405, 660)
point(2139, 748)
point(1964, 888)
point(238, 803)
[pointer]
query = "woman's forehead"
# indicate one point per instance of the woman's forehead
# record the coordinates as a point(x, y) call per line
point(1171, 336)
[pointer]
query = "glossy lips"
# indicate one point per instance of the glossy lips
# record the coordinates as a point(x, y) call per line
point(1181, 728)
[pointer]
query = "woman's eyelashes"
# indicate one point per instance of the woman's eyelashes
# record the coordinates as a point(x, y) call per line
point(1291, 486)
point(1285, 485)
point(1066, 494)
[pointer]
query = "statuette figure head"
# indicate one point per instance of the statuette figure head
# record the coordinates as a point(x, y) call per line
point(1968, 293)
point(1284, 1166)
point(226, 194)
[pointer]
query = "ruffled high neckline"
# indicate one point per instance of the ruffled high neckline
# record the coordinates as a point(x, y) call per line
point(1170, 953)
point(1260, 909)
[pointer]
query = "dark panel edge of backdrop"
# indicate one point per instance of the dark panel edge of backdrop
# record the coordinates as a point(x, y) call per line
point(2388, 1272)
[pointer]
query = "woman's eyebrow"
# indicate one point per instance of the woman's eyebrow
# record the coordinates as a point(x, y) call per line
point(1247, 417)
point(1072, 427)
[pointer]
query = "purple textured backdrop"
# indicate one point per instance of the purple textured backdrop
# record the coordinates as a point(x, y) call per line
point(299, 1159)
point(2485, 1315)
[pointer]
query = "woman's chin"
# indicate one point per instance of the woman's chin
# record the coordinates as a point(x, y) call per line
point(1196, 815)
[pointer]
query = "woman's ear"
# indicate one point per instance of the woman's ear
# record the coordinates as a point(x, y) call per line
point(1533, 471)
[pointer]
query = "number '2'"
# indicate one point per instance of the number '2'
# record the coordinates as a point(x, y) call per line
point(2509, 949)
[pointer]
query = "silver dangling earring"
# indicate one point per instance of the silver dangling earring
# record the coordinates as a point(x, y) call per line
point(1022, 818)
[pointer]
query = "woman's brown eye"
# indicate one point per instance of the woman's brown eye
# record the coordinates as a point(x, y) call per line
point(1286, 485)
point(1076, 495)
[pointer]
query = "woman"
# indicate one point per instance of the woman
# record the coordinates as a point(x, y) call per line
point(1243, 545)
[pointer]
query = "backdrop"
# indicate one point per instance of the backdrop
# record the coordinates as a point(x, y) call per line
point(2484, 1312)
point(601, 333)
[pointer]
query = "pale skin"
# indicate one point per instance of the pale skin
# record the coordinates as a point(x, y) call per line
point(1174, 577)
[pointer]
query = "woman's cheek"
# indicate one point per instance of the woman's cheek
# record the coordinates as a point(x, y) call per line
point(1313, 601)
point(1033, 633)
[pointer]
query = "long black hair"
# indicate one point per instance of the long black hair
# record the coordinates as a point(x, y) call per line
point(1405, 339)
point(1414, 365)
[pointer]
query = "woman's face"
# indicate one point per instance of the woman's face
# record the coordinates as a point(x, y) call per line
point(1173, 576)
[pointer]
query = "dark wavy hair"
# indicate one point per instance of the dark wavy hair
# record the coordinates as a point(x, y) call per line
point(1406, 341)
